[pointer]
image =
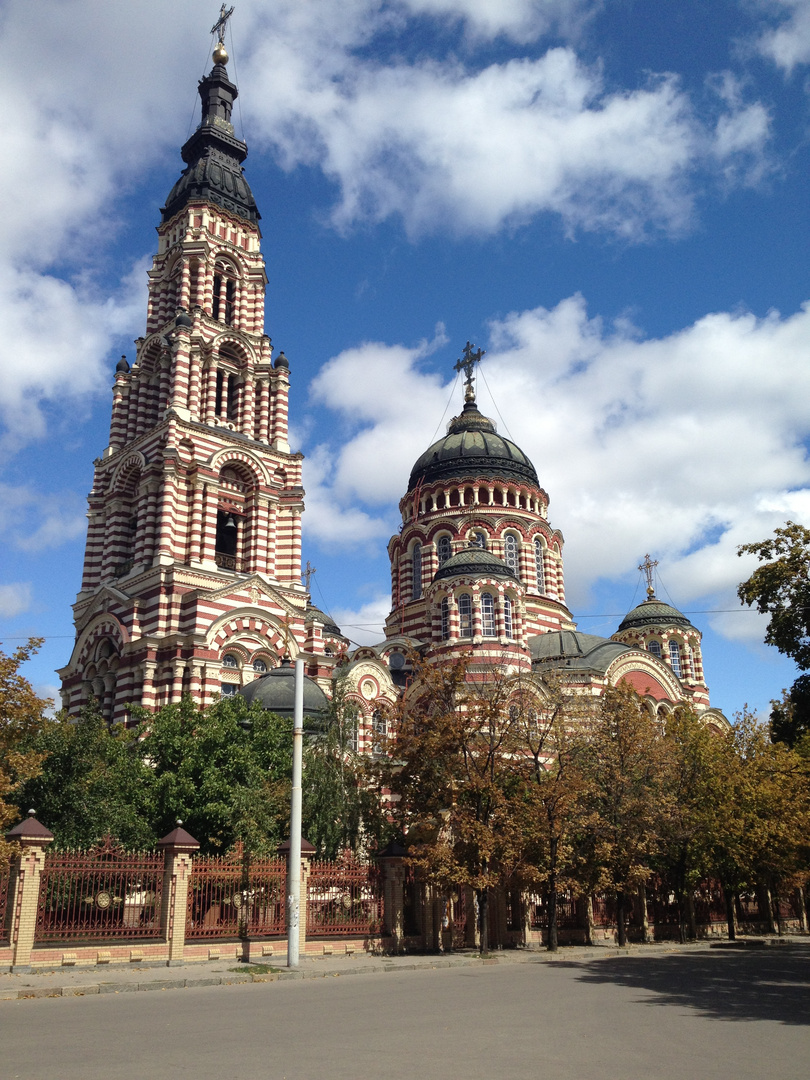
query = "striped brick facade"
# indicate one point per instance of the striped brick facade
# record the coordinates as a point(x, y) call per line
point(192, 569)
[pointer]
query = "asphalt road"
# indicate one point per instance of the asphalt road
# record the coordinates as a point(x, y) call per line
point(714, 1016)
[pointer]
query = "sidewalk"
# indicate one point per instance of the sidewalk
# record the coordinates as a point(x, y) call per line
point(81, 981)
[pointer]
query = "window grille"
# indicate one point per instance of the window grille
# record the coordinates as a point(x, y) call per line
point(229, 660)
point(507, 617)
point(511, 552)
point(443, 549)
point(675, 657)
point(654, 647)
point(479, 540)
point(487, 615)
point(445, 619)
point(260, 666)
point(228, 689)
point(465, 615)
point(538, 562)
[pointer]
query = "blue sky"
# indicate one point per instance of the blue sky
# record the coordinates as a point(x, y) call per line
point(610, 198)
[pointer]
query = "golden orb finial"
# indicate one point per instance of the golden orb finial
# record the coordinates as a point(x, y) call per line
point(220, 55)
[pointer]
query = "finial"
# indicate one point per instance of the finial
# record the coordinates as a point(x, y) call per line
point(32, 813)
point(647, 567)
point(310, 570)
point(467, 365)
point(220, 55)
point(178, 822)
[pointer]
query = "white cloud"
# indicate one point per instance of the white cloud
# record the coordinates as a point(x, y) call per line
point(33, 521)
point(15, 599)
point(787, 44)
point(364, 625)
point(685, 446)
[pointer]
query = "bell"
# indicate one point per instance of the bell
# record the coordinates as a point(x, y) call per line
point(230, 523)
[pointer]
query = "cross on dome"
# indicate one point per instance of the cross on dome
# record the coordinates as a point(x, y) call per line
point(648, 566)
point(467, 365)
point(219, 26)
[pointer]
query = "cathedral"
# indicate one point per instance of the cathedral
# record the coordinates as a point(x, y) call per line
point(192, 579)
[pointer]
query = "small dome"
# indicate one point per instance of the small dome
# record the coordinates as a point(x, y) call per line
point(653, 612)
point(282, 361)
point(474, 562)
point(183, 318)
point(122, 365)
point(472, 447)
point(316, 615)
point(275, 692)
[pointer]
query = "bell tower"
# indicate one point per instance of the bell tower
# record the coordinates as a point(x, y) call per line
point(192, 569)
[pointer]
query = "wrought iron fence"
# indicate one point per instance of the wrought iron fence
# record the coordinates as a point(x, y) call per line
point(566, 911)
point(103, 893)
point(604, 910)
point(344, 897)
point(710, 904)
point(5, 881)
point(236, 896)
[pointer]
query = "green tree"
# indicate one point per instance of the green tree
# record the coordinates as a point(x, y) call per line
point(93, 781)
point(22, 715)
point(780, 588)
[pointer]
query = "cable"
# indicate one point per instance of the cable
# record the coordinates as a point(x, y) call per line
point(504, 424)
point(236, 80)
point(447, 406)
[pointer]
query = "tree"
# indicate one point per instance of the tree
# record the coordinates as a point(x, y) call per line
point(554, 788)
point(22, 715)
point(624, 762)
point(341, 804)
point(780, 588)
point(451, 772)
point(93, 781)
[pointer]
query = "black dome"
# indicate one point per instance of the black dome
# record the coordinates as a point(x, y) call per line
point(472, 447)
point(315, 614)
point(474, 562)
point(653, 613)
point(275, 692)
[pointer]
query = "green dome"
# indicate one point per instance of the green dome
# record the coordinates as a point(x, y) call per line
point(474, 562)
point(275, 692)
point(653, 612)
point(472, 447)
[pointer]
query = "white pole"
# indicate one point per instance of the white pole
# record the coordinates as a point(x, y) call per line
point(294, 865)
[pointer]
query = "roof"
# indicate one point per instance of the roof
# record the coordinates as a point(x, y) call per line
point(653, 613)
point(275, 691)
point(474, 562)
point(472, 447)
point(575, 651)
point(214, 156)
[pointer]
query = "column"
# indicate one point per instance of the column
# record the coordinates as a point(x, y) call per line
point(178, 847)
point(33, 839)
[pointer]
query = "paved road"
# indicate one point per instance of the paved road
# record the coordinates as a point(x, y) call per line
point(712, 1015)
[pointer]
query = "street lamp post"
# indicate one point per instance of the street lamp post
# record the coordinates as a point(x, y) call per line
point(294, 865)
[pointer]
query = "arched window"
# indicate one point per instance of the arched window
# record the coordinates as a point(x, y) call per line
point(230, 661)
point(416, 571)
point(675, 657)
point(465, 623)
point(228, 689)
point(379, 729)
point(487, 615)
point(507, 616)
point(443, 549)
point(510, 552)
point(445, 619)
point(479, 540)
point(260, 666)
point(654, 647)
point(538, 563)
point(223, 301)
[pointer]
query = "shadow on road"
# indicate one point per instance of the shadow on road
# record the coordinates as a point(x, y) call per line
point(768, 984)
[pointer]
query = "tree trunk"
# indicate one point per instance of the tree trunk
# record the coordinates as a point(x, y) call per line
point(620, 920)
point(551, 941)
point(645, 921)
point(483, 919)
point(728, 896)
point(802, 906)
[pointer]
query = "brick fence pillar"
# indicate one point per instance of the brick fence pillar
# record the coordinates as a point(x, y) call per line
point(393, 873)
point(178, 847)
point(33, 839)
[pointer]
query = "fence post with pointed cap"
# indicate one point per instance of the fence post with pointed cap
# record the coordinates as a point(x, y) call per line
point(393, 870)
point(178, 847)
point(33, 838)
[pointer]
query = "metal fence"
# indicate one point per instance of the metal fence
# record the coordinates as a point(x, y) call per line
point(99, 894)
point(236, 896)
point(344, 897)
point(566, 911)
